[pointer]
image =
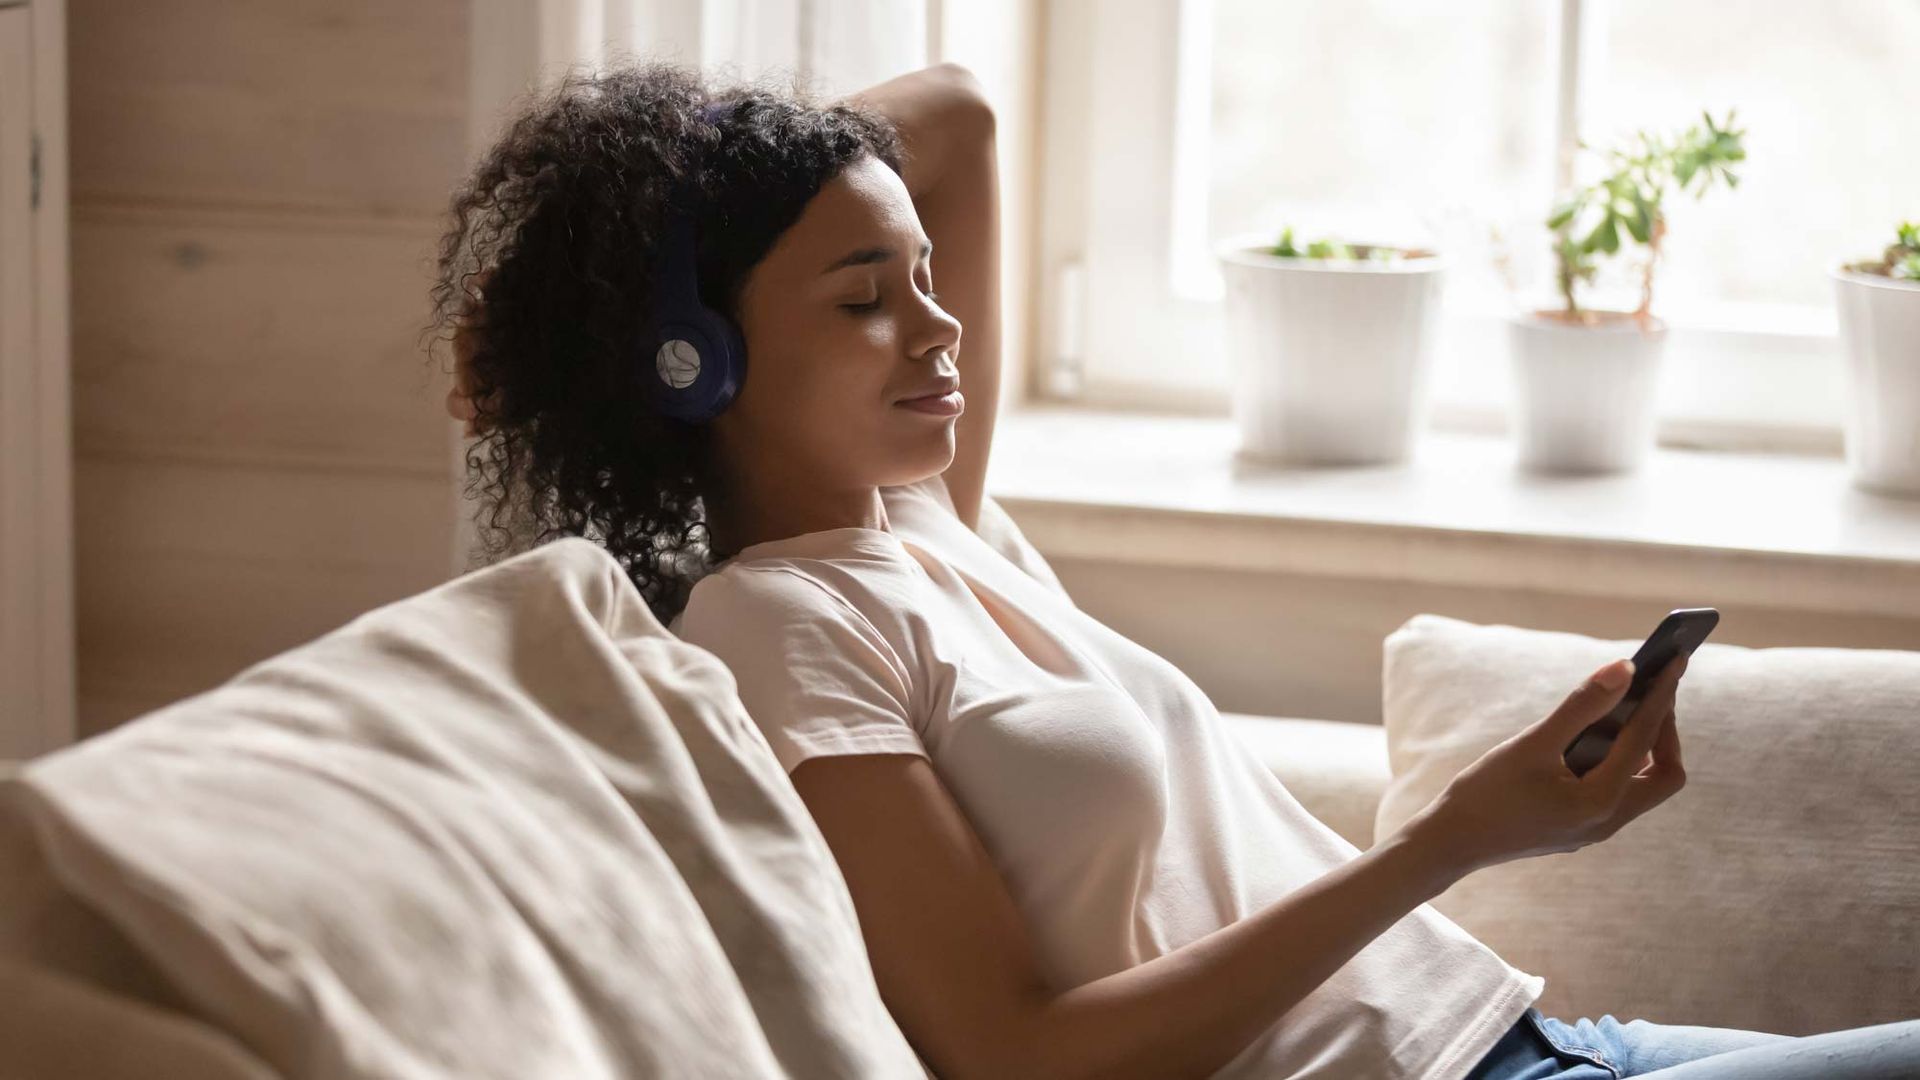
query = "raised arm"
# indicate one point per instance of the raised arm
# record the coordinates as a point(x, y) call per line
point(951, 173)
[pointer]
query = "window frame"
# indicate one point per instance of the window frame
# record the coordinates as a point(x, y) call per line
point(1755, 378)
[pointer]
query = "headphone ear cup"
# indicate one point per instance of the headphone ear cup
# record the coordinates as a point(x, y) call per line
point(700, 357)
point(724, 357)
point(699, 363)
point(735, 374)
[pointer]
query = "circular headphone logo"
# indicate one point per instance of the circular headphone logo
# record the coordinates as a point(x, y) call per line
point(678, 363)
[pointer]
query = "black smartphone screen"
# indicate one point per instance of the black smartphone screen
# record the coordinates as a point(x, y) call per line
point(1678, 634)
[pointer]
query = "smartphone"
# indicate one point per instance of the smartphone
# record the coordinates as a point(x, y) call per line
point(1677, 635)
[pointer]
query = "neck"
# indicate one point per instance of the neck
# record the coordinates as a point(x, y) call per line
point(755, 508)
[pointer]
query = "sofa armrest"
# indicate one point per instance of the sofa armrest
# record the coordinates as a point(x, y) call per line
point(1337, 770)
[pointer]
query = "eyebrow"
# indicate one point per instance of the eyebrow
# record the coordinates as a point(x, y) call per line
point(863, 256)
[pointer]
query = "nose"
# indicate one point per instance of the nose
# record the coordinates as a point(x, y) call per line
point(940, 333)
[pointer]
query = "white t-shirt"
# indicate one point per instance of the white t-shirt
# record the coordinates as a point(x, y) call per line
point(1123, 814)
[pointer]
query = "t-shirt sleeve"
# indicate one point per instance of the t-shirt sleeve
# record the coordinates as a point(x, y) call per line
point(813, 673)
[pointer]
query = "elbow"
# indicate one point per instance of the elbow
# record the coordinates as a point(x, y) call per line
point(967, 96)
point(1020, 1044)
point(1005, 1053)
point(1005, 1060)
point(1036, 1044)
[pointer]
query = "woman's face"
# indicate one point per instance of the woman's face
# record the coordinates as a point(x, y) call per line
point(839, 329)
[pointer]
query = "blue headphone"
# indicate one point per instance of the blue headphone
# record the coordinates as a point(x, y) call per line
point(699, 355)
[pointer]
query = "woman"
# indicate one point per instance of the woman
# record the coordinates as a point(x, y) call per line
point(1061, 863)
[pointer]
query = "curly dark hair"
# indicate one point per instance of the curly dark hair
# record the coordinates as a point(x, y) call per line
point(545, 279)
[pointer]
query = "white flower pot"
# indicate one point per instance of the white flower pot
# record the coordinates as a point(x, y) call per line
point(1330, 359)
point(1880, 330)
point(1584, 396)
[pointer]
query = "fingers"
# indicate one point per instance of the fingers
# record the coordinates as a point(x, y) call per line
point(1666, 750)
point(461, 407)
point(1664, 746)
point(1662, 781)
point(460, 402)
point(1642, 730)
point(1588, 702)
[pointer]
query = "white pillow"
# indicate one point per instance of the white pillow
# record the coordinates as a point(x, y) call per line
point(1778, 891)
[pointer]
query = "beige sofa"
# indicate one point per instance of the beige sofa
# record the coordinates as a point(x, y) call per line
point(387, 845)
point(1337, 770)
point(1778, 891)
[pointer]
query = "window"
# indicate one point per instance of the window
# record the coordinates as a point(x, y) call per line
point(1174, 123)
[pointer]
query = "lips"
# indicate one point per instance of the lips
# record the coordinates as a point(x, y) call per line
point(933, 390)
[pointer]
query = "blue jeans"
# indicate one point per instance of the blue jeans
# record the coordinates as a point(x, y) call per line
point(1539, 1047)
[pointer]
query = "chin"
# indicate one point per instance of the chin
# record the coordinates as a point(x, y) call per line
point(913, 463)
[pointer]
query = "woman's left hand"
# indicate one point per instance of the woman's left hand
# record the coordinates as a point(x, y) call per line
point(460, 403)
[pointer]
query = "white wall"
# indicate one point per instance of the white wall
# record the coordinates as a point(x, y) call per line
point(1308, 645)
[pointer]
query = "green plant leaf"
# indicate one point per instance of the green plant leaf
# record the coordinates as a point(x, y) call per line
point(1640, 171)
point(1605, 236)
point(1640, 222)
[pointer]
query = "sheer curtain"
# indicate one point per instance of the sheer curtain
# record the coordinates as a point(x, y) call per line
point(831, 47)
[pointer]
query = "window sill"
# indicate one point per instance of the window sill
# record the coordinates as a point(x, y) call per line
point(1690, 528)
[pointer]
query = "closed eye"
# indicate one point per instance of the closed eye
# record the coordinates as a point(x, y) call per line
point(874, 304)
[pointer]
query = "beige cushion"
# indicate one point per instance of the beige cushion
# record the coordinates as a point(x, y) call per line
point(1337, 770)
point(1779, 890)
point(507, 827)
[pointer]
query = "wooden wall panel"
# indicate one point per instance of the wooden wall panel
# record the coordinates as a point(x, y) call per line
point(260, 444)
point(357, 106)
point(255, 339)
point(193, 571)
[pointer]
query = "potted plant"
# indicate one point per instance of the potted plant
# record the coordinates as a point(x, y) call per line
point(1330, 345)
point(1879, 303)
point(1585, 378)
